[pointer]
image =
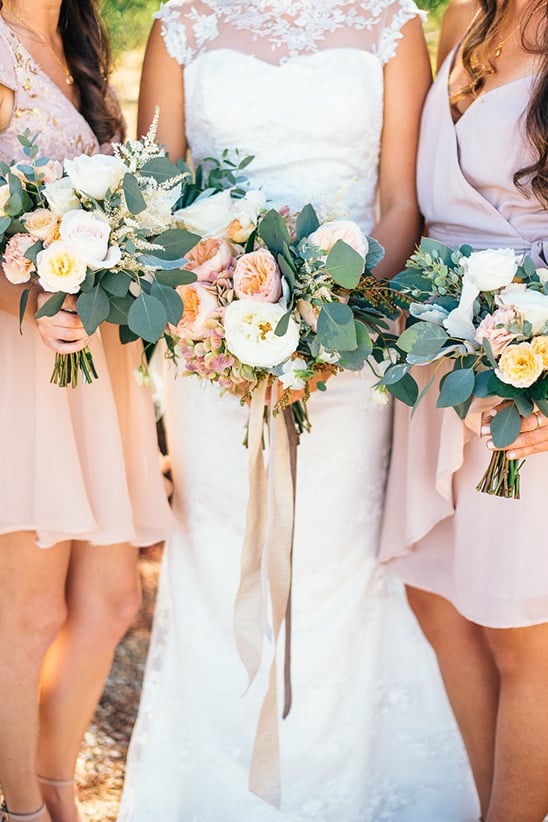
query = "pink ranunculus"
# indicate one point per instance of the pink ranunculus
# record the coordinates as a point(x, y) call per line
point(348, 231)
point(17, 268)
point(209, 258)
point(494, 328)
point(257, 277)
point(200, 308)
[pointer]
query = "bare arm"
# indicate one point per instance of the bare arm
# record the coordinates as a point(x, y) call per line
point(162, 85)
point(407, 79)
point(456, 19)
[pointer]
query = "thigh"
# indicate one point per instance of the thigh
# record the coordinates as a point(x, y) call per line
point(30, 576)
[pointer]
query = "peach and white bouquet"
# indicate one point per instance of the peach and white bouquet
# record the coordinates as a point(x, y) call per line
point(487, 311)
point(102, 228)
point(279, 297)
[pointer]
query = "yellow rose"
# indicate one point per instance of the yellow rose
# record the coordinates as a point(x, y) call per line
point(520, 365)
point(540, 346)
point(42, 224)
point(60, 268)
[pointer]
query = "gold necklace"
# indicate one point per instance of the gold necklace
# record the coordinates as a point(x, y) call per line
point(69, 79)
point(502, 43)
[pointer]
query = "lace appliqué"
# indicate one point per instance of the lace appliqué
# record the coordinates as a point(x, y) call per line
point(297, 27)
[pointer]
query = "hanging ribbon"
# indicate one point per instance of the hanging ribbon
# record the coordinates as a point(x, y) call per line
point(263, 599)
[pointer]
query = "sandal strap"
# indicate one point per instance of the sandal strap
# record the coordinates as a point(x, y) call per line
point(55, 783)
point(11, 816)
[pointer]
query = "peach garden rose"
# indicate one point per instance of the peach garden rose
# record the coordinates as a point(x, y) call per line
point(519, 365)
point(257, 277)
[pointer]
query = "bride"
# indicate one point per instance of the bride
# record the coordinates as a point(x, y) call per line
point(326, 95)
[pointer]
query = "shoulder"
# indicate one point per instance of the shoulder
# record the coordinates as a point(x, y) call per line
point(456, 19)
point(187, 25)
point(393, 16)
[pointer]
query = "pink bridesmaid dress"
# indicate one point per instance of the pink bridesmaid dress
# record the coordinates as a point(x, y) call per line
point(74, 463)
point(486, 555)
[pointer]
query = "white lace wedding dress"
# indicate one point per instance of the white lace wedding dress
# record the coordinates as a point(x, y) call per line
point(370, 736)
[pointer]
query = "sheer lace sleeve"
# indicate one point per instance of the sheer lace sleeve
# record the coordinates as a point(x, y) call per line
point(275, 32)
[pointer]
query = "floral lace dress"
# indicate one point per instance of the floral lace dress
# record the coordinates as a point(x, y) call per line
point(370, 736)
point(75, 463)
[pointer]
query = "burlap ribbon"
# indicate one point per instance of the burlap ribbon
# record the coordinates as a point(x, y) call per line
point(263, 598)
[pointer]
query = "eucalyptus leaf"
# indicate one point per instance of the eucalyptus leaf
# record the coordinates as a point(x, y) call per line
point(23, 307)
point(542, 406)
point(375, 253)
point(135, 201)
point(119, 309)
point(307, 222)
point(489, 352)
point(147, 317)
point(175, 278)
point(394, 373)
point(345, 265)
point(93, 308)
point(171, 301)
point(423, 339)
point(354, 360)
point(282, 324)
point(505, 426)
point(336, 328)
point(434, 247)
point(126, 335)
point(4, 224)
point(175, 242)
point(274, 233)
point(161, 169)
point(406, 390)
point(524, 404)
point(116, 283)
point(287, 271)
point(456, 387)
point(51, 306)
point(32, 252)
point(481, 386)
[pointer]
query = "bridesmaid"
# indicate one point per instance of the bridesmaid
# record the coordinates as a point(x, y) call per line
point(79, 474)
point(476, 566)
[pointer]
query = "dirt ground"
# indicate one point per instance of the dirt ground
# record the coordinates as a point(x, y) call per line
point(100, 770)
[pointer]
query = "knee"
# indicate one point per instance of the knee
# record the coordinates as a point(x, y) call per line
point(111, 614)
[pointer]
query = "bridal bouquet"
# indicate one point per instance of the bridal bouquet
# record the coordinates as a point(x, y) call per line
point(101, 228)
point(279, 298)
point(487, 312)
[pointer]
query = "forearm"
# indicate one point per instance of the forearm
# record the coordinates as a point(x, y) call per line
point(10, 297)
point(398, 231)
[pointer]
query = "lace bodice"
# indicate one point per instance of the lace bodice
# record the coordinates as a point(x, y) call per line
point(286, 27)
point(299, 85)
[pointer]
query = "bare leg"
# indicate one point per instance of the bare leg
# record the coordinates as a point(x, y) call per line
point(32, 611)
point(471, 680)
point(520, 788)
point(103, 596)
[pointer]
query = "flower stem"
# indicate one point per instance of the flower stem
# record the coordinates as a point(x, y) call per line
point(502, 477)
point(68, 367)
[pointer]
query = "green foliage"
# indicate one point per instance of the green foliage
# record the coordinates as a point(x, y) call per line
point(128, 22)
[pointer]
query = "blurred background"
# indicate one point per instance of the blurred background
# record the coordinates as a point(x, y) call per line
point(100, 771)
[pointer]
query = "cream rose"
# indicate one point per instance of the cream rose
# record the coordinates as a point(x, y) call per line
point(490, 269)
point(519, 365)
point(540, 346)
point(348, 231)
point(4, 197)
point(17, 268)
point(249, 331)
point(95, 175)
point(88, 233)
point(200, 308)
point(61, 196)
point(533, 305)
point(60, 268)
point(43, 224)
point(208, 258)
point(246, 212)
point(208, 216)
point(257, 277)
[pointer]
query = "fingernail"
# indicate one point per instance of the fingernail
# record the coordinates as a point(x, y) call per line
point(490, 445)
point(486, 429)
point(511, 455)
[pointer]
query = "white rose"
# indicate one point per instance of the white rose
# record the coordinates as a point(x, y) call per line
point(348, 231)
point(88, 233)
point(542, 274)
point(61, 196)
point(60, 268)
point(95, 175)
point(490, 269)
point(533, 305)
point(208, 216)
point(249, 330)
point(459, 321)
point(432, 313)
point(245, 214)
point(289, 377)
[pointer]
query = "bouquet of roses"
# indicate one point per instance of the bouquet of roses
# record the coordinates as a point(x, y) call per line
point(278, 297)
point(103, 229)
point(487, 312)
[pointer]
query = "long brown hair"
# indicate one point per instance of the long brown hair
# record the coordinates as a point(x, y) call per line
point(88, 56)
point(485, 30)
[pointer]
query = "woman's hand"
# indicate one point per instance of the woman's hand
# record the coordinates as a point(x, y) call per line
point(64, 332)
point(533, 438)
